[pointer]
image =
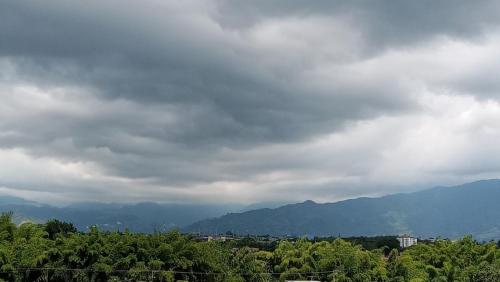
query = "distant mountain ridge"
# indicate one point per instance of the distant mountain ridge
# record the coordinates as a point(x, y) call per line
point(452, 212)
point(140, 217)
point(264, 205)
point(472, 208)
point(10, 200)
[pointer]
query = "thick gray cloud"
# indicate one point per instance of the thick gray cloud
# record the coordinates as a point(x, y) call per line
point(188, 101)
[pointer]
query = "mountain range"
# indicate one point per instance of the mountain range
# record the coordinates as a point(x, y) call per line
point(451, 212)
point(139, 217)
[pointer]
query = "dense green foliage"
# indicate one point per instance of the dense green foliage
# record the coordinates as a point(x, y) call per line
point(56, 252)
point(386, 243)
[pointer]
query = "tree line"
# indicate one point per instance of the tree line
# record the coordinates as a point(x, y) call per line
point(56, 251)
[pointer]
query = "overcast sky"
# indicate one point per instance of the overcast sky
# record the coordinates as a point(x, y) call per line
point(246, 101)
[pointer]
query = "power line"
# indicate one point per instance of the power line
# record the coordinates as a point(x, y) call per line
point(159, 271)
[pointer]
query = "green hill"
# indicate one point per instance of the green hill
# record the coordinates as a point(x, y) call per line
point(471, 208)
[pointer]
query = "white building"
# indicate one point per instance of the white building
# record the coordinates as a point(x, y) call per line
point(406, 241)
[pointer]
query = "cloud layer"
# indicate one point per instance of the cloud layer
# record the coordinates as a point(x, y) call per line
point(246, 101)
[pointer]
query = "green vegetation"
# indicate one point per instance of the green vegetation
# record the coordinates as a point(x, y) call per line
point(55, 251)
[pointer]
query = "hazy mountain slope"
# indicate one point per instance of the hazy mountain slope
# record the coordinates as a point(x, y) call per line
point(10, 200)
point(264, 205)
point(445, 211)
point(142, 217)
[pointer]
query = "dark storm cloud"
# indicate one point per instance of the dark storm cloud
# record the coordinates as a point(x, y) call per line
point(384, 22)
point(154, 58)
point(190, 93)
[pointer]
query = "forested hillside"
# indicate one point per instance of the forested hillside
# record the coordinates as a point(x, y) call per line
point(450, 212)
point(57, 252)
